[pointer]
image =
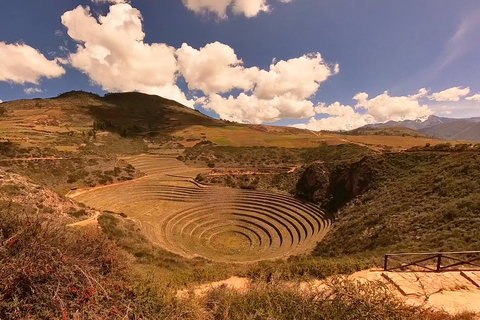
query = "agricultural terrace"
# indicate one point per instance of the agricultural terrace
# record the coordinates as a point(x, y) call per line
point(215, 223)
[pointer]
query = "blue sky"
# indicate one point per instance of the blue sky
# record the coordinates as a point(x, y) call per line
point(296, 63)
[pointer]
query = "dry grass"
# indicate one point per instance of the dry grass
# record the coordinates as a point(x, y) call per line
point(248, 136)
point(244, 136)
point(395, 142)
point(340, 299)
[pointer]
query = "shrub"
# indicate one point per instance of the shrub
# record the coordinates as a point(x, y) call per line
point(50, 272)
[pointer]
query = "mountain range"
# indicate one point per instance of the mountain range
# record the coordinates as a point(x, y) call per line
point(440, 127)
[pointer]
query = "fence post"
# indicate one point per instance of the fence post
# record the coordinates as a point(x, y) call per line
point(385, 265)
point(439, 262)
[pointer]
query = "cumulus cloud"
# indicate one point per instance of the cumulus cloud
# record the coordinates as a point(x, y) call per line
point(384, 107)
point(110, 1)
point(214, 68)
point(249, 108)
point(268, 95)
point(381, 108)
point(32, 90)
point(300, 77)
point(475, 97)
point(249, 8)
point(111, 51)
point(340, 117)
point(21, 63)
point(452, 94)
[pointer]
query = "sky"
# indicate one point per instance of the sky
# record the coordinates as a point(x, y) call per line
point(315, 64)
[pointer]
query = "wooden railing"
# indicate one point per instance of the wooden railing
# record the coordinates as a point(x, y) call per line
point(433, 262)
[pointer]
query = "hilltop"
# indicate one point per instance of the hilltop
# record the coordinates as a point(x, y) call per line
point(80, 113)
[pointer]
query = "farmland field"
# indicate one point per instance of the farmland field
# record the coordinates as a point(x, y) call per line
point(262, 136)
point(216, 223)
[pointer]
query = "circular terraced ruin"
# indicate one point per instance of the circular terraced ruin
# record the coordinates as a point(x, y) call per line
point(239, 225)
point(215, 223)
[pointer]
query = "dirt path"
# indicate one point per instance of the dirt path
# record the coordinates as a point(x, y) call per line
point(239, 172)
point(374, 149)
point(93, 220)
point(51, 158)
point(75, 193)
point(448, 291)
point(31, 159)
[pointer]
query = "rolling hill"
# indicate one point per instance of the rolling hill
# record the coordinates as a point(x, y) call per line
point(78, 121)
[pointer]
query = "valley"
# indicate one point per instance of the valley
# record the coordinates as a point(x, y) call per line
point(182, 199)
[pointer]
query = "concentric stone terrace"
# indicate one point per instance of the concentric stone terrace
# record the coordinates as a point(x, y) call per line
point(240, 225)
point(220, 224)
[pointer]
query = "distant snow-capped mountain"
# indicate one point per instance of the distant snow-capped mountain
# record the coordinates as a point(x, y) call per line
point(440, 127)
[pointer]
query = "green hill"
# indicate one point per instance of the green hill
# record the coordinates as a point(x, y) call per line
point(416, 202)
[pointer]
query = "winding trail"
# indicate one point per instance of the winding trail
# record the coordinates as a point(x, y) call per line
point(93, 220)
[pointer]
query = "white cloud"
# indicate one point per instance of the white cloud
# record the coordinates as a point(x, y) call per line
point(32, 90)
point(452, 94)
point(110, 1)
point(249, 8)
point(112, 53)
point(249, 108)
point(475, 97)
point(384, 107)
point(214, 68)
point(21, 63)
point(268, 95)
point(300, 77)
point(341, 117)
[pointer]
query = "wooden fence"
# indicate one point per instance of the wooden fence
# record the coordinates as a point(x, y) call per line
point(433, 262)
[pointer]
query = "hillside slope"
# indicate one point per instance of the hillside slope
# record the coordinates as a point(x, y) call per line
point(418, 202)
point(387, 131)
point(455, 130)
point(79, 111)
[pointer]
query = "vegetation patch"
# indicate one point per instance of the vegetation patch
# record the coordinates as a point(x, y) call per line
point(420, 202)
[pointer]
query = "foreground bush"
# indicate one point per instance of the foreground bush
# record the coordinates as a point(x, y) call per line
point(50, 272)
